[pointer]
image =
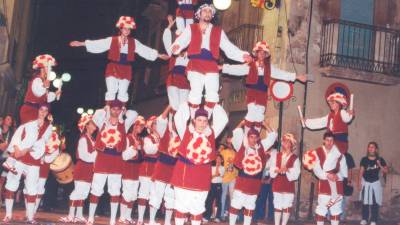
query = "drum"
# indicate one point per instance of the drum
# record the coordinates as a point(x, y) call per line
point(63, 168)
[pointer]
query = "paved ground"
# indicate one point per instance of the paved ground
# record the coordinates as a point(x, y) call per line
point(46, 218)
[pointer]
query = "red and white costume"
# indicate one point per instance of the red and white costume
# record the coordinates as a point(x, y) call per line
point(337, 123)
point(119, 70)
point(177, 84)
point(36, 93)
point(192, 173)
point(283, 185)
point(161, 188)
point(203, 52)
point(110, 143)
point(184, 14)
point(83, 172)
point(132, 157)
point(27, 136)
point(150, 147)
point(257, 85)
point(251, 163)
point(52, 150)
point(329, 162)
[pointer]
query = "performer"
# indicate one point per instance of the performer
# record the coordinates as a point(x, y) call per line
point(110, 142)
point(161, 187)
point(121, 53)
point(38, 92)
point(203, 41)
point(192, 173)
point(284, 170)
point(250, 161)
point(177, 84)
point(259, 74)
point(150, 147)
point(83, 171)
point(6, 133)
point(184, 14)
point(336, 121)
point(329, 166)
point(52, 150)
point(27, 147)
point(132, 156)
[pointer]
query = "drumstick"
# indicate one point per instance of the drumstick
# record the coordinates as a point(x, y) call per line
point(301, 116)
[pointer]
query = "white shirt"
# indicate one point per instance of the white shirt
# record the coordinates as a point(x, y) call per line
point(221, 171)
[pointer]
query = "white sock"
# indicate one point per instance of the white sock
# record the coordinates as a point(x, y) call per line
point(277, 218)
point(141, 210)
point(71, 212)
point(30, 210)
point(168, 216)
point(285, 218)
point(153, 212)
point(37, 203)
point(196, 222)
point(113, 214)
point(179, 221)
point(247, 220)
point(79, 212)
point(92, 211)
point(232, 218)
point(9, 207)
point(122, 212)
point(334, 222)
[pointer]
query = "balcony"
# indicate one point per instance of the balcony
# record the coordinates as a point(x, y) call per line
point(360, 52)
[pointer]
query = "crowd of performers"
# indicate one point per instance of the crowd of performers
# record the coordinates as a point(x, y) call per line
point(172, 163)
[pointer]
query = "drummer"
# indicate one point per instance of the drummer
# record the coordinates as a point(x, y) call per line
point(109, 145)
point(83, 172)
point(27, 146)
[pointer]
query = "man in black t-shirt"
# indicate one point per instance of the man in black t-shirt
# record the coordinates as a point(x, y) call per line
point(371, 191)
point(347, 184)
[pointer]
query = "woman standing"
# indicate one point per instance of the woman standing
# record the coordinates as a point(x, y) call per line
point(371, 189)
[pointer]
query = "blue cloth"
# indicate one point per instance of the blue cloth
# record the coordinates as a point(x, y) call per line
point(179, 70)
point(261, 203)
point(204, 55)
point(167, 159)
point(260, 85)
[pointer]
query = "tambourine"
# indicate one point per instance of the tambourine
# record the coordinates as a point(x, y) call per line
point(281, 90)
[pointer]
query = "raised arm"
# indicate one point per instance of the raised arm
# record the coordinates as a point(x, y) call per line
point(162, 122)
point(83, 152)
point(145, 51)
point(182, 41)
point(167, 40)
point(237, 138)
point(317, 123)
point(346, 116)
point(181, 117)
point(269, 140)
point(236, 70)
point(99, 117)
point(220, 119)
point(231, 51)
point(131, 116)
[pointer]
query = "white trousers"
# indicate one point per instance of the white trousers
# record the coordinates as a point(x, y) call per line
point(114, 86)
point(31, 178)
point(188, 201)
point(177, 96)
point(40, 185)
point(113, 184)
point(242, 200)
point(198, 82)
point(322, 209)
point(283, 200)
point(144, 189)
point(181, 23)
point(255, 112)
point(81, 191)
point(130, 190)
point(159, 191)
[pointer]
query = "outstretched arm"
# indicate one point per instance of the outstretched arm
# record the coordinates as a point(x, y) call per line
point(220, 119)
point(233, 52)
point(317, 123)
point(236, 70)
point(181, 117)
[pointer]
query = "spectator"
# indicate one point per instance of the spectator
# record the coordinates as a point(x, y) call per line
point(214, 195)
point(371, 187)
point(347, 184)
point(228, 180)
point(265, 194)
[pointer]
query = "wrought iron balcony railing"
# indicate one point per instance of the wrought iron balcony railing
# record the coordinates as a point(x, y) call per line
point(246, 35)
point(360, 47)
